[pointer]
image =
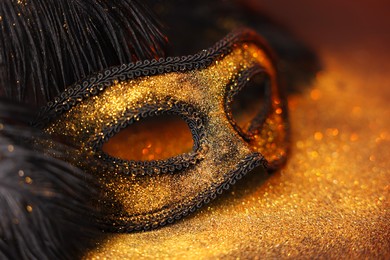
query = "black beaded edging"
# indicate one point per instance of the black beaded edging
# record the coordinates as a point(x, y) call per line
point(100, 81)
point(96, 84)
point(244, 166)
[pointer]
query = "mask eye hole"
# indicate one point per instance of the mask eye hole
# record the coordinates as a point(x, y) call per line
point(250, 102)
point(152, 138)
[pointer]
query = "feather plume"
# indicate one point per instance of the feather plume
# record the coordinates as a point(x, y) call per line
point(47, 45)
point(46, 205)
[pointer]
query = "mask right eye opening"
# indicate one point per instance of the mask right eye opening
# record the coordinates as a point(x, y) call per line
point(248, 100)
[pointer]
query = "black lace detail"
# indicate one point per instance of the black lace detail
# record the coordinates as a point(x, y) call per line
point(100, 81)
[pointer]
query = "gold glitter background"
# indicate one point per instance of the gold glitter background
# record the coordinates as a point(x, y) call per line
point(331, 200)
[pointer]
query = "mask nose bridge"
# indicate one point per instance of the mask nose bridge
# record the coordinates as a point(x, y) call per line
point(221, 135)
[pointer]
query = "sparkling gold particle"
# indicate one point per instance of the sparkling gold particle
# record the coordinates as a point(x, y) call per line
point(28, 180)
point(354, 137)
point(29, 208)
point(22, 2)
point(21, 173)
point(315, 94)
point(10, 148)
point(332, 131)
point(318, 136)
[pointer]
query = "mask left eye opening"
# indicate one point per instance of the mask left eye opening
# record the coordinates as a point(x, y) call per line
point(152, 138)
point(173, 119)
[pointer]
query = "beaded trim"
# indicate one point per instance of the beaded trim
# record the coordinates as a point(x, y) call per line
point(126, 224)
point(100, 81)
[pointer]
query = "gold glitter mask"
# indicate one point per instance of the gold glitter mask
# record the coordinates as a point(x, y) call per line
point(201, 89)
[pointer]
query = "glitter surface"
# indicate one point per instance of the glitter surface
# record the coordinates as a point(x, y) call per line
point(332, 198)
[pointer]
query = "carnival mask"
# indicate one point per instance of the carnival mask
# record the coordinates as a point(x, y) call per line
point(145, 192)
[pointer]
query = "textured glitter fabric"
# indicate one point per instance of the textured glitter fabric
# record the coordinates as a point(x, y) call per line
point(330, 201)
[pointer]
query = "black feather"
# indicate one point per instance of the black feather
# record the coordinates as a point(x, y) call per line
point(46, 45)
point(46, 205)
